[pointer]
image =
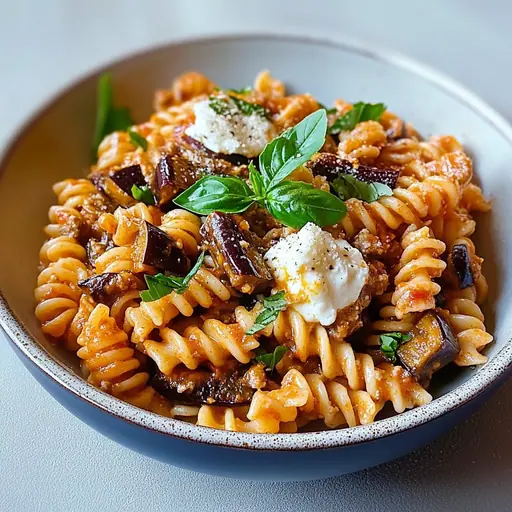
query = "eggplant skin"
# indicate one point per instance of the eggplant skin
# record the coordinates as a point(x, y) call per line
point(460, 260)
point(237, 255)
point(156, 248)
point(106, 288)
point(433, 346)
point(331, 166)
point(127, 177)
point(229, 387)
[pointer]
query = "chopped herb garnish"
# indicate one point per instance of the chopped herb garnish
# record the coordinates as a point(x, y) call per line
point(272, 306)
point(143, 194)
point(160, 285)
point(138, 140)
point(360, 112)
point(293, 203)
point(243, 90)
point(231, 104)
point(109, 118)
point(390, 342)
point(271, 359)
point(347, 187)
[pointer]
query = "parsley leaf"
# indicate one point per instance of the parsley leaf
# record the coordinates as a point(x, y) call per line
point(219, 105)
point(390, 342)
point(231, 104)
point(271, 359)
point(360, 112)
point(347, 187)
point(272, 306)
point(138, 140)
point(160, 285)
point(108, 117)
point(143, 194)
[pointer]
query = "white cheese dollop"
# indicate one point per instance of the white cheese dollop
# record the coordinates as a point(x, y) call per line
point(319, 274)
point(230, 133)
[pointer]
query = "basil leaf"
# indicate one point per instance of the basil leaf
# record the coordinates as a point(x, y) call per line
point(360, 112)
point(225, 194)
point(270, 360)
point(256, 181)
point(293, 148)
point(138, 140)
point(229, 105)
point(272, 306)
point(143, 194)
point(160, 285)
point(347, 187)
point(295, 203)
point(390, 342)
point(108, 118)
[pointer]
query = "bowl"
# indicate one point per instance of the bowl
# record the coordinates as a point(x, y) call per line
point(54, 144)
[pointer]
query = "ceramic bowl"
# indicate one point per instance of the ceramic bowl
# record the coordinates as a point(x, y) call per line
point(55, 145)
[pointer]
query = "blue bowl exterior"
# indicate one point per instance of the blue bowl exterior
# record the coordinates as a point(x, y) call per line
point(264, 465)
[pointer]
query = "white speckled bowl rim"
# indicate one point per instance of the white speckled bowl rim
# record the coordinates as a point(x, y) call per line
point(486, 375)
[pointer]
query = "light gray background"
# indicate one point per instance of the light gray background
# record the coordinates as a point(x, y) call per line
point(49, 460)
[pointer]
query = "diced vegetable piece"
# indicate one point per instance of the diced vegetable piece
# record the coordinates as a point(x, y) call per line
point(240, 259)
point(156, 248)
point(127, 177)
point(95, 248)
point(165, 181)
point(106, 185)
point(222, 387)
point(331, 166)
point(433, 346)
point(105, 288)
point(461, 262)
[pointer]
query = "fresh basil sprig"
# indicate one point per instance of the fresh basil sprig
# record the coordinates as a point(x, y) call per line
point(160, 285)
point(138, 140)
point(390, 342)
point(271, 359)
point(109, 118)
point(272, 306)
point(292, 203)
point(360, 112)
point(143, 194)
point(347, 187)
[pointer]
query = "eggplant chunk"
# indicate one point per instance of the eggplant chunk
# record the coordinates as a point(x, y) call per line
point(433, 346)
point(461, 262)
point(127, 177)
point(165, 181)
point(331, 166)
point(240, 259)
point(156, 248)
point(105, 288)
point(222, 387)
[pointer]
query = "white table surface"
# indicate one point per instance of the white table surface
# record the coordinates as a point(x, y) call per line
point(49, 460)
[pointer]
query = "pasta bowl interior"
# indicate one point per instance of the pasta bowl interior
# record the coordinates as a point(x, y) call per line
point(267, 268)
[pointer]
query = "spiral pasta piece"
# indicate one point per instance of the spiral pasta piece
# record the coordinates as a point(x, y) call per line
point(124, 223)
point(427, 199)
point(118, 259)
point(61, 247)
point(215, 342)
point(269, 413)
point(57, 296)
point(203, 289)
point(419, 264)
point(467, 321)
point(72, 193)
point(111, 363)
point(183, 227)
point(336, 404)
point(363, 143)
